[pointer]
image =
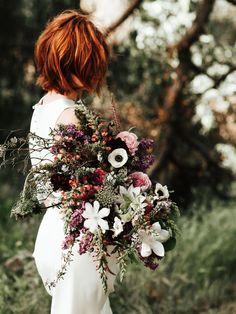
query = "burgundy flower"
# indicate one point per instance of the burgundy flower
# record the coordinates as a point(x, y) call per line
point(151, 262)
point(98, 176)
point(148, 209)
point(117, 143)
point(60, 181)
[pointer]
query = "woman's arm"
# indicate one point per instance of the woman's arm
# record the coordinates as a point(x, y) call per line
point(68, 116)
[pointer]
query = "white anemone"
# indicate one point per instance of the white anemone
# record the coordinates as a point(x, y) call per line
point(118, 157)
point(164, 192)
point(94, 217)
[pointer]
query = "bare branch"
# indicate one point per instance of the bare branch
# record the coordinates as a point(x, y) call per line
point(220, 79)
point(232, 1)
point(123, 17)
point(183, 71)
point(183, 48)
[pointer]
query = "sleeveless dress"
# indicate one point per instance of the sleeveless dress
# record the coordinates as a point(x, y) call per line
point(80, 291)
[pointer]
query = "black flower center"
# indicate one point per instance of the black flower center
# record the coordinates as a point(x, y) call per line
point(118, 158)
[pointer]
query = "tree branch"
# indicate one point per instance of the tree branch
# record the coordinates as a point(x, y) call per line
point(183, 71)
point(192, 34)
point(232, 1)
point(183, 49)
point(123, 17)
point(220, 79)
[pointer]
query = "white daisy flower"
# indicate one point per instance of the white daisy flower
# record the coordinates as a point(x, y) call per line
point(94, 217)
point(99, 156)
point(161, 192)
point(64, 168)
point(153, 242)
point(118, 157)
point(117, 226)
point(2, 150)
point(111, 177)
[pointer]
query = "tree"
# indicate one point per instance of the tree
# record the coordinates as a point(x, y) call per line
point(153, 80)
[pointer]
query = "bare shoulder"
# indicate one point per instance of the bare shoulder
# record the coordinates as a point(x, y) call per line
point(68, 116)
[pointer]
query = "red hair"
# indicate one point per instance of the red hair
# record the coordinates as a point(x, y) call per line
point(71, 54)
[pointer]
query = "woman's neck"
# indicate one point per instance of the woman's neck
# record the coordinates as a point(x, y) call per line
point(73, 96)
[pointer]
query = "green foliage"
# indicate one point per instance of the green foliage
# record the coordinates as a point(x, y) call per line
point(20, 286)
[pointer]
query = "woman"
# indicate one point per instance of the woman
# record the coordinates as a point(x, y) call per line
point(71, 57)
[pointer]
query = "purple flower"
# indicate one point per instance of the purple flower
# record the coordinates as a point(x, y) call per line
point(68, 241)
point(54, 149)
point(85, 242)
point(76, 218)
point(86, 139)
point(145, 144)
point(71, 128)
point(145, 162)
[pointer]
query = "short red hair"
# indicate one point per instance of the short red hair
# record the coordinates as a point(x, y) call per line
point(71, 54)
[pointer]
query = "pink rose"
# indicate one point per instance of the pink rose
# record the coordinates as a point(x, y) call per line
point(130, 139)
point(140, 179)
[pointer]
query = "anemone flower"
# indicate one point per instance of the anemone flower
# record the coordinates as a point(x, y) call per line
point(118, 157)
point(161, 192)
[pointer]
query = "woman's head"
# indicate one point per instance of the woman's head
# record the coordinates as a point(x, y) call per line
point(71, 55)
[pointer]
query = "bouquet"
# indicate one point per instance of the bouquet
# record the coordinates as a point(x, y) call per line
point(96, 176)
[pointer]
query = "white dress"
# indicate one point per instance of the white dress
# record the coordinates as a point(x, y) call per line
point(80, 291)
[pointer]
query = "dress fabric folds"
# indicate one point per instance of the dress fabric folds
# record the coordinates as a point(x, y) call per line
point(80, 291)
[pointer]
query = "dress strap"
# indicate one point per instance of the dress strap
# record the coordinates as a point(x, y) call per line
point(40, 102)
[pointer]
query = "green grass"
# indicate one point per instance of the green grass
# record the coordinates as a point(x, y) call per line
point(197, 277)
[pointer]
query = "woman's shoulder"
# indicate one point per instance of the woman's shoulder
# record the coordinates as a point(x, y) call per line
point(50, 111)
point(68, 116)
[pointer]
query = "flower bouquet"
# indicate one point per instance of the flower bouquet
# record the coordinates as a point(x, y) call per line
point(96, 176)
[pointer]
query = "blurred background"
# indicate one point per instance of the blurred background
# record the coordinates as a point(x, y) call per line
point(172, 72)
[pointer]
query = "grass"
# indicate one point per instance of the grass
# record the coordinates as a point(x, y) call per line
point(197, 277)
